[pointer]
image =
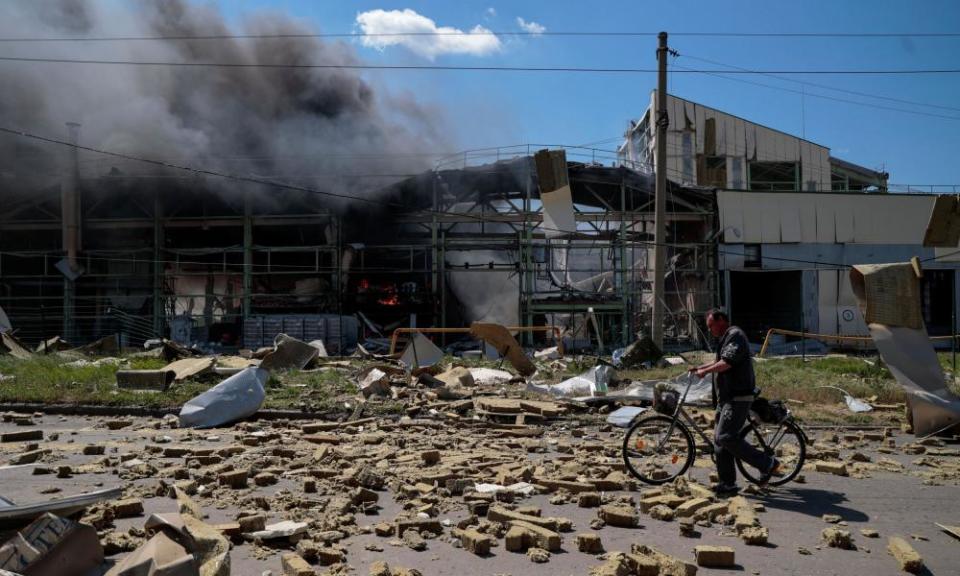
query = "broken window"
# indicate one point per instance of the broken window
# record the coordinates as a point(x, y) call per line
point(752, 257)
point(712, 171)
point(774, 176)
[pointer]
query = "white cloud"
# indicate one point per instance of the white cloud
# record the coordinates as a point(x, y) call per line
point(491, 12)
point(531, 27)
point(428, 39)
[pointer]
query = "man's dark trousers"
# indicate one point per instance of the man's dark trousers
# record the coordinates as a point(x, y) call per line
point(731, 416)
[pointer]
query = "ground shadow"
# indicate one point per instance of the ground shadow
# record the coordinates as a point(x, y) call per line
point(812, 502)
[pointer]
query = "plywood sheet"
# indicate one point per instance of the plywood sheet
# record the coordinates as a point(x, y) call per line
point(770, 218)
point(752, 218)
point(827, 299)
point(735, 172)
point(558, 214)
point(730, 205)
point(843, 216)
point(700, 121)
point(739, 147)
point(808, 221)
point(790, 230)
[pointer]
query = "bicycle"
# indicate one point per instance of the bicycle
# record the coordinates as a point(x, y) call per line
point(659, 445)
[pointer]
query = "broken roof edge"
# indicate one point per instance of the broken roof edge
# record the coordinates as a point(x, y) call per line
point(858, 169)
point(785, 133)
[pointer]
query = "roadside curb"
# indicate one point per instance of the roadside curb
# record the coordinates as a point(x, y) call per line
point(94, 410)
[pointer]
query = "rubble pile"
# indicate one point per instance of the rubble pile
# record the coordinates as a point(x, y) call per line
point(428, 453)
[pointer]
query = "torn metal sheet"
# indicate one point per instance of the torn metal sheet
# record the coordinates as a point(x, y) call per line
point(490, 376)
point(854, 404)
point(420, 352)
point(52, 546)
point(558, 214)
point(622, 417)
point(154, 380)
point(555, 194)
point(943, 229)
point(593, 382)
point(55, 344)
point(951, 530)
point(700, 394)
point(15, 515)
point(190, 367)
point(14, 347)
point(506, 345)
point(321, 349)
point(106, 346)
point(907, 351)
point(236, 398)
point(289, 354)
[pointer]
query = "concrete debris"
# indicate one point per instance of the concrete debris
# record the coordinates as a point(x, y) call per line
point(837, 538)
point(374, 382)
point(52, 546)
point(294, 565)
point(538, 555)
point(908, 558)
point(160, 556)
point(622, 516)
point(190, 367)
point(488, 474)
point(490, 376)
point(153, 380)
point(715, 556)
point(589, 543)
point(286, 530)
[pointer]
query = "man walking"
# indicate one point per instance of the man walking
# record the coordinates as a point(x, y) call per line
point(734, 390)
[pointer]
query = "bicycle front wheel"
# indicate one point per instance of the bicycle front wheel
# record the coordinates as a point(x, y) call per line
point(657, 449)
point(785, 442)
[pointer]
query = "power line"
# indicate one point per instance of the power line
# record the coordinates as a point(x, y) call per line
point(571, 33)
point(724, 75)
point(826, 87)
point(248, 179)
point(437, 67)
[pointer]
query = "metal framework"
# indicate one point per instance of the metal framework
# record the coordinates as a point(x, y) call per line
point(158, 250)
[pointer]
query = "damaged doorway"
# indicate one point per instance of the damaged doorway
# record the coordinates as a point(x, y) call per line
point(937, 295)
point(763, 300)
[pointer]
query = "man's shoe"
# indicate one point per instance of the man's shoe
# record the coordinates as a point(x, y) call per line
point(775, 471)
point(722, 489)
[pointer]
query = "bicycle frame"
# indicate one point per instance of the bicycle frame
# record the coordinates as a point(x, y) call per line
point(708, 445)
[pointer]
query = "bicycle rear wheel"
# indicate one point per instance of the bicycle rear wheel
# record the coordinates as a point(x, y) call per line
point(784, 441)
point(657, 449)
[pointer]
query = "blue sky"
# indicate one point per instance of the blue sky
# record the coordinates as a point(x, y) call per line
point(501, 108)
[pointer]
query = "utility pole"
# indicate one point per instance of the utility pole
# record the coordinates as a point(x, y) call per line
point(660, 224)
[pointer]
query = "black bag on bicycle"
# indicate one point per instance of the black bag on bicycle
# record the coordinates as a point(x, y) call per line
point(665, 399)
point(769, 411)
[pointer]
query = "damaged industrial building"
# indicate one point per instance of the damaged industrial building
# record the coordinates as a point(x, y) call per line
point(516, 236)
point(106, 250)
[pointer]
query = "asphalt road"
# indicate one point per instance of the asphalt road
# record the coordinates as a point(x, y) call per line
point(891, 503)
